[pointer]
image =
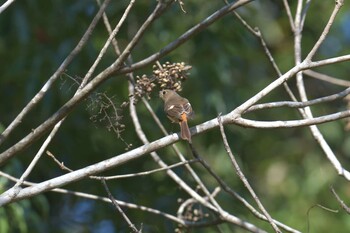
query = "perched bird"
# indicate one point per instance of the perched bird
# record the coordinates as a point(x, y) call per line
point(178, 110)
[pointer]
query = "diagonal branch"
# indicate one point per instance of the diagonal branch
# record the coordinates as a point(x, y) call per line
point(4, 6)
point(338, 5)
point(120, 210)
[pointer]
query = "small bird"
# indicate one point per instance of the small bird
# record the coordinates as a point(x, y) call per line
point(178, 110)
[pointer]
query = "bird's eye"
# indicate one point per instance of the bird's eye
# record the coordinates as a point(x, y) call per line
point(164, 92)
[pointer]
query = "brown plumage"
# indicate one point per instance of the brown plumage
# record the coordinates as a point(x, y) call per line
point(178, 110)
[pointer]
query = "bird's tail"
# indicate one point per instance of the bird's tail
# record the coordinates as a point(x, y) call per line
point(185, 131)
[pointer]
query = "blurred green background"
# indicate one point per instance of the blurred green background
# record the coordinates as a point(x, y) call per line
point(286, 167)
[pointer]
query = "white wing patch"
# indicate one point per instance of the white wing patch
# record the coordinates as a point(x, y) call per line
point(171, 107)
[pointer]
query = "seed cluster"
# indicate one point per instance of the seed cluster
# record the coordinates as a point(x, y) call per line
point(144, 86)
point(171, 75)
point(166, 76)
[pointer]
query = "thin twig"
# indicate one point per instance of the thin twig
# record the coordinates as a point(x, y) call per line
point(117, 207)
point(109, 29)
point(150, 171)
point(60, 164)
point(327, 78)
point(145, 173)
point(110, 38)
point(257, 33)
point(243, 178)
point(291, 123)
point(309, 212)
point(304, 13)
point(338, 5)
point(289, 14)
point(292, 104)
point(341, 202)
